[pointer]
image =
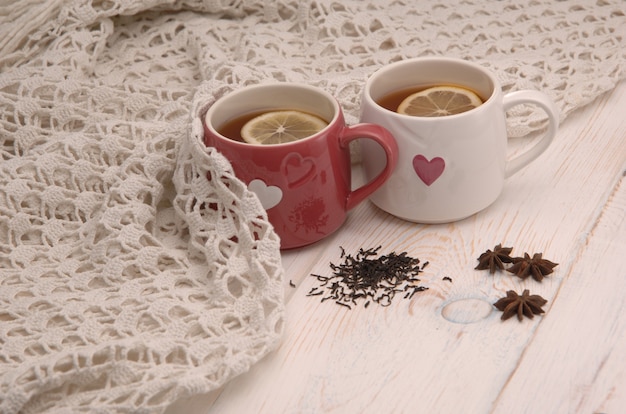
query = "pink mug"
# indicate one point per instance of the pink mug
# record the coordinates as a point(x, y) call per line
point(305, 186)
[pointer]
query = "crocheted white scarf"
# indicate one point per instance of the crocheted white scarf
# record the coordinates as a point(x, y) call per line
point(135, 269)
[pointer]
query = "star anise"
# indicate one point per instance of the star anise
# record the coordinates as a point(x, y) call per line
point(537, 267)
point(495, 259)
point(524, 305)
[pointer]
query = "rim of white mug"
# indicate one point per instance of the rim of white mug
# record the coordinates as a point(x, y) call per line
point(235, 98)
point(385, 70)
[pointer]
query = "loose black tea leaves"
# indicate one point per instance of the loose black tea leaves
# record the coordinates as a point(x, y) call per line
point(370, 277)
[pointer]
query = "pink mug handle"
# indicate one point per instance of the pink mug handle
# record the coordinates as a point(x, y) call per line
point(384, 138)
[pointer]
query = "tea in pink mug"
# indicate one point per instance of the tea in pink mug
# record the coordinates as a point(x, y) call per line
point(304, 185)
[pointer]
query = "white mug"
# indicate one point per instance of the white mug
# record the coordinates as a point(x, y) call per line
point(449, 167)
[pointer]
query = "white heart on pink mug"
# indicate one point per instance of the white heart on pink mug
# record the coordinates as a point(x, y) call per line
point(269, 195)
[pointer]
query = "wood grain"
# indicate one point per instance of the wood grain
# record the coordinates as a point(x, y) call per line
point(446, 349)
point(581, 344)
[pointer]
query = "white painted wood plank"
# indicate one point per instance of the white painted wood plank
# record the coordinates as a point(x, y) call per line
point(408, 356)
point(576, 363)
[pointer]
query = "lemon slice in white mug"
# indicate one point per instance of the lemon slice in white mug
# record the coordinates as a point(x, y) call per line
point(439, 101)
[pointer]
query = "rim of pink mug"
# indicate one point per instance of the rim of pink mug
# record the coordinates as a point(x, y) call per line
point(235, 98)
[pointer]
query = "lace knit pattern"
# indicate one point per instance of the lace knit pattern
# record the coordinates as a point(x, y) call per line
point(135, 269)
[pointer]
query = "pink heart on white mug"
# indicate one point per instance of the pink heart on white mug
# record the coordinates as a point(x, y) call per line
point(269, 195)
point(428, 171)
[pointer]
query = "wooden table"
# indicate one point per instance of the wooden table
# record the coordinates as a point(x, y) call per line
point(446, 349)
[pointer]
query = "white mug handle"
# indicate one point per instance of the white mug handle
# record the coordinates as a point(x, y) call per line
point(536, 98)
